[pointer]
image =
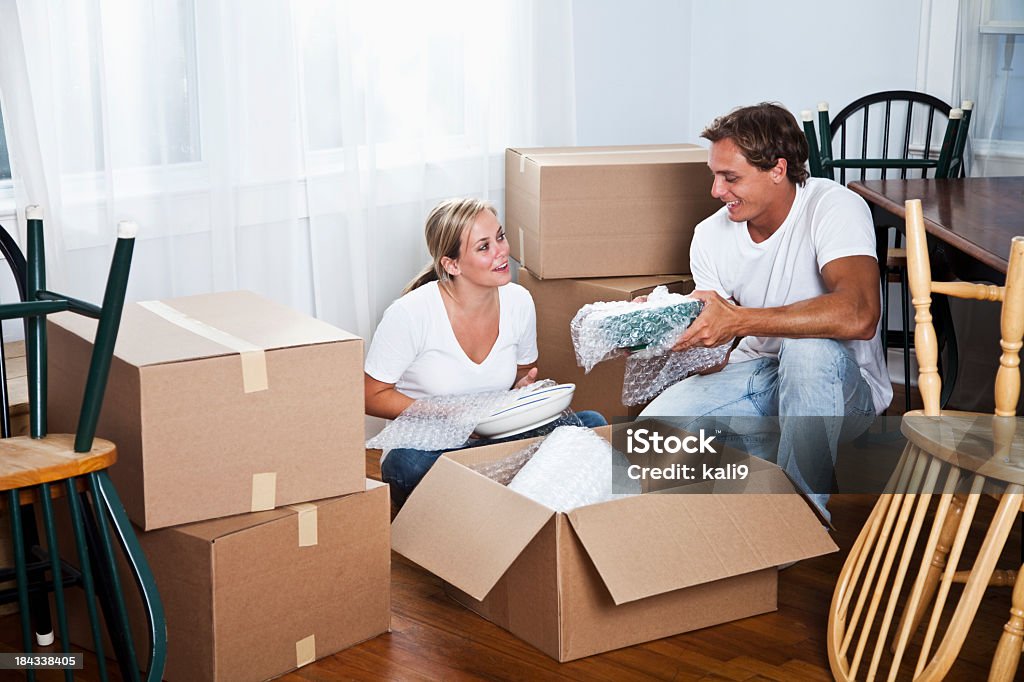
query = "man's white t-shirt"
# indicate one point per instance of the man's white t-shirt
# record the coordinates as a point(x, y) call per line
point(826, 222)
point(415, 347)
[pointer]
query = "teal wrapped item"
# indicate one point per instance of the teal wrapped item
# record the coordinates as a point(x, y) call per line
point(644, 327)
point(604, 330)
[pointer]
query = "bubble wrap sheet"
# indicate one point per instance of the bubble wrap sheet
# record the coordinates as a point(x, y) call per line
point(571, 468)
point(605, 330)
point(444, 422)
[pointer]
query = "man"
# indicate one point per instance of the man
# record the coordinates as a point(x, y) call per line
point(787, 267)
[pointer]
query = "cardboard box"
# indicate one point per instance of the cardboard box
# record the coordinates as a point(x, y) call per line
point(557, 302)
point(606, 211)
point(607, 575)
point(253, 596)
point(219, 404)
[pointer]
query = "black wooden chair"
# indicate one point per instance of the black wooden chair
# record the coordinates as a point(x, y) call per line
point(888, 135)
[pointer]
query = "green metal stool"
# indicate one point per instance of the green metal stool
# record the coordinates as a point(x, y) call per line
point(40, 467)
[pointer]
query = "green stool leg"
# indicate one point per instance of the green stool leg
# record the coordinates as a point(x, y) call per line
point(120, 626)
point(55, 571)
point(21, 573)
point(81, 545)
point(141, 572)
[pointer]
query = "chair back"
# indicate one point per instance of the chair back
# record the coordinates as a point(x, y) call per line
point(893, 133)
point(39, 302)
point(1011, 295)
point(15, 260)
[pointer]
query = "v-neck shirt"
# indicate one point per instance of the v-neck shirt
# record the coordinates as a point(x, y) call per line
point(415, 347)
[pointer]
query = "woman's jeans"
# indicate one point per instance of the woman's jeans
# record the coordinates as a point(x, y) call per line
point(793, 410)
point(403, 468)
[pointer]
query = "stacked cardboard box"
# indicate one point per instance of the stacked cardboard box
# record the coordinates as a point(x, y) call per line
point(601, 224)
point(239, 428)
point(557, 302)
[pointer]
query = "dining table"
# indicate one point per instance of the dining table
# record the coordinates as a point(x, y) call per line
point(976, 218)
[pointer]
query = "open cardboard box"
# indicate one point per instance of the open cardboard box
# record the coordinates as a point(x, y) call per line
point(607, 575)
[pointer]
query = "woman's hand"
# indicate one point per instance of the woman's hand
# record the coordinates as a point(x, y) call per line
point(527, 379)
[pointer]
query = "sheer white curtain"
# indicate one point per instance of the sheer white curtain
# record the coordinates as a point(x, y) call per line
point(288, 147)
point(989, 69)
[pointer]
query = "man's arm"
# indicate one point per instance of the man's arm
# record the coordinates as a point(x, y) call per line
point(850, 310)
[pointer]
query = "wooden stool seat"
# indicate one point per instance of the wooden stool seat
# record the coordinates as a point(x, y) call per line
point(970, 441)
point(28, 461)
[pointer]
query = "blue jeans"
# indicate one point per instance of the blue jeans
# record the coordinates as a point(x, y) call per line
point(814, 388)
point(404, 468)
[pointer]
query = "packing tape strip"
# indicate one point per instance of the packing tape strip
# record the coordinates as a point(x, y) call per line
point(523, 157)
point(254, 360)
point(305, 651)
point(307, 519)
point(264, 491)
point(522, 247)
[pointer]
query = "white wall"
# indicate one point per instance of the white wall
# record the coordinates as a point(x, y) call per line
point(659, 70)
point(632, 62)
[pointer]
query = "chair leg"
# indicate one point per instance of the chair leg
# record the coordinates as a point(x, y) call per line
point(937, 565)
point(78, 523)
point(108, 588)
point(39, 603)
point(21, 573)
point(107, 499)
point(906, 337)
point(1007, 656)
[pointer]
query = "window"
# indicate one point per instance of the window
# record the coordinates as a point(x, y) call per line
point(5, 160)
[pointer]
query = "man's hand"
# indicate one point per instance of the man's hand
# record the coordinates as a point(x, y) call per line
point(718, 323)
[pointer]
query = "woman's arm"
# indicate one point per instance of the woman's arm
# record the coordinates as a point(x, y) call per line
point(383, 400)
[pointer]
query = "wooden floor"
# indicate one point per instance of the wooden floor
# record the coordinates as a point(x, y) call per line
point(433, 638)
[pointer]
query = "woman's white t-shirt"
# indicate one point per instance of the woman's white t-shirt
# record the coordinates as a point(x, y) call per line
point(415, 347)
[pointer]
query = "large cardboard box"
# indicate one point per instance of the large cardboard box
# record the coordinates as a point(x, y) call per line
point(607, 575)
point(253, 596)
point(557, 302)
point(606, 211)
point(219, 404)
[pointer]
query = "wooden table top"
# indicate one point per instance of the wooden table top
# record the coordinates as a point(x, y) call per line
point(977, 216)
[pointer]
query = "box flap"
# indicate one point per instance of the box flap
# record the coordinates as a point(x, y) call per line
point(146, 338)
point(626, 154)
point(464, 527)
point(655, 543)
point(214, 529)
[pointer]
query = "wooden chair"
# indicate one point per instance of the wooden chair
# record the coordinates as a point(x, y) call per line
point(900, 571)
point(36, 469)
point(874, 137)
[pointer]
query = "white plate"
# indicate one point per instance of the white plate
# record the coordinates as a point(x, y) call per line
point(528, 411)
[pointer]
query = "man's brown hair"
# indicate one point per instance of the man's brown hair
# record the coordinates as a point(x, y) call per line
point(764, 133)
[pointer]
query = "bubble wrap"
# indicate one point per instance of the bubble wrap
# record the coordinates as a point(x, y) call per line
point(444, 422)
point(604, 330)
point(504, 470)
point(571, 468)
point(646, 377)
point(607, 329)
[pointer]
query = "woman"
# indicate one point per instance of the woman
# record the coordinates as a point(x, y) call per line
point(461, 326)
